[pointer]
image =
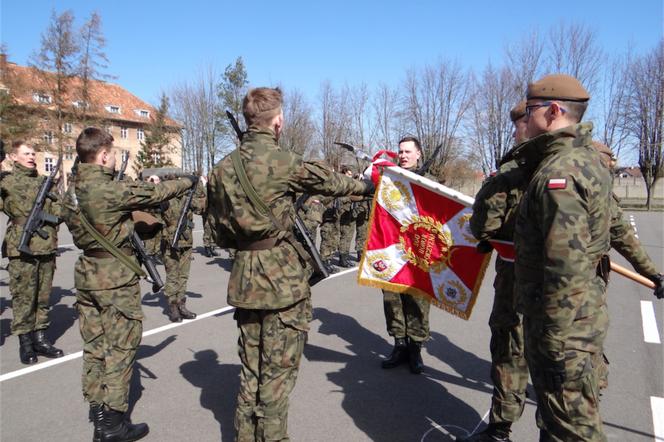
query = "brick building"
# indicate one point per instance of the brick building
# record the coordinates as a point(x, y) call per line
point(122, 114)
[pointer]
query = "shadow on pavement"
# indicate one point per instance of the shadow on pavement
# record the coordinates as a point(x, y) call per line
point(224, 263)
point(205, 372)
point(393, 404)
point(62, 316)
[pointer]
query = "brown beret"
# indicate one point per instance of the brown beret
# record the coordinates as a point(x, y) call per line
point(557, 87)
point(518, 111)
point(607, 154)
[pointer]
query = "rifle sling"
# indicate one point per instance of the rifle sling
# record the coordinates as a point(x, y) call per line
point(110, 248)
point(260, 205)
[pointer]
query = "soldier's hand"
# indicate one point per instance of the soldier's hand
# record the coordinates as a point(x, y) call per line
point(659, 285)
point(554, 375)
point(193, 179)
point(370, 188)
point(484, 247)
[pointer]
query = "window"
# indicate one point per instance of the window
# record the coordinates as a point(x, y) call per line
point(139, 134)
point(156, 157)
point(42, 98)
point(49, 164)
point(143, 113)
point(69, 152)
point(48, 137)
point(80, 103)
point(112, 108)
point(124, 132)
point(66, 128)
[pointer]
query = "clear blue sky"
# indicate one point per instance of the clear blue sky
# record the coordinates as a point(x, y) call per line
point(154, 44)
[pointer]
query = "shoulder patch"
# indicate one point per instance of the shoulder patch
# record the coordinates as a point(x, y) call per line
point(557, 183)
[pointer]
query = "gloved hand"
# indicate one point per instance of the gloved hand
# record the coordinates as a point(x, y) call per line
point(484, 247)
point(659, 285)
point(554, 375)
point(370, 188)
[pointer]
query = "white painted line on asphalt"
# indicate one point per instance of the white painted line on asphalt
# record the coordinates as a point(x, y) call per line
point(69, 357)
point(657, 405)
point(650, 332)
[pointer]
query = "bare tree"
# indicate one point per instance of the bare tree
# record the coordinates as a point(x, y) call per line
point(55, 62)
point(645, 115)
point(385, 125)
point(334, 123)
point(231, 90)
point(613, 103)
point(16, 120)
point(524, 59)
point(92, 61)
point(436, 99)
point(358, 99)
point(299, 130)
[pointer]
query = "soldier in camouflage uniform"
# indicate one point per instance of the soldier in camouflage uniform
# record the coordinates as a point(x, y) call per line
point(311, 214)
point(269, 280)
point(178, 260)
point(329, 230)
point(407, 316)
point(30, 277)
point(108, 295)
point(361, 211)
point(152, 239)
point(494, 214)
point(208, 242)
point(346, 223)
point(561, 235)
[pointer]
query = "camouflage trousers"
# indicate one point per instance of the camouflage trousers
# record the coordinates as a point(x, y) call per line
point(153, 243)
point(270, 346)
point(573, 413)
point(509, 369)
point(361, 230)
point(406, 316)
point(178, 264)
point(346, 228)
point(207, 234)
point(30, 282)
point(329, 238)
point(110, 322)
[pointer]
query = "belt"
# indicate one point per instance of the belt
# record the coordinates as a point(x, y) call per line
point(101, 253)
point(19, 221)
point(261, 244)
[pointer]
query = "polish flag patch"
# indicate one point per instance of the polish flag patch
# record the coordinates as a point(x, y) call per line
point(557, 183)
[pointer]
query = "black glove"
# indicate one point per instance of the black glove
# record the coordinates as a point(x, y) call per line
point(370, 187)
point(554, 375)
point(484, 247)
point(659, 285)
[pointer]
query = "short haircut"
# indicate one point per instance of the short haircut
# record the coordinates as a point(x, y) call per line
point(15, 146)
point(413, 139)
point(261, 105)
point(575, 109)
point(90, 142)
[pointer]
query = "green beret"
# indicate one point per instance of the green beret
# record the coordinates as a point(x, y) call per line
point(518, 111)
point(557, 87)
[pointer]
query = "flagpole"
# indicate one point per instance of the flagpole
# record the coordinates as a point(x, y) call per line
point(432, 185)
point(631, 275)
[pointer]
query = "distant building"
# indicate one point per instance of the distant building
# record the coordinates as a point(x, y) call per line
point(122, 114)
point(628, 172)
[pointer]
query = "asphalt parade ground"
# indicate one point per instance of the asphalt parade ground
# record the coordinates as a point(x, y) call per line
point(186, 376)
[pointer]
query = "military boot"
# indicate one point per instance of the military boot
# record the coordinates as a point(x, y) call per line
point(96, 416)
point(174, 312)
point(114, 427)
point(414, 357)
point(43, 347)
point(399, 354)
point(184, 312)
point(359, 256)
point(343, 260)
point(495, 432)
point(25, 350)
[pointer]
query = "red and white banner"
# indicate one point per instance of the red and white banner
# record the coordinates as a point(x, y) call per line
point(419, 242)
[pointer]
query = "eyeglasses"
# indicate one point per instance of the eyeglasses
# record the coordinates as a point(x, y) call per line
point(530, 107)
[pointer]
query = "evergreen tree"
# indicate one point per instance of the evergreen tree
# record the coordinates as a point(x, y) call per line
point(155, 148)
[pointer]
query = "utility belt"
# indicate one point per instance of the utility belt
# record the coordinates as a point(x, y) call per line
point(101, 253)
point(604, 268)
point(261, 244)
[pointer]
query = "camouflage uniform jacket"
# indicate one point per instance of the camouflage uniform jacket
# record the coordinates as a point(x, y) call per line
point(561, 232)
point(19, 191)
point(495, 207)
point(172, 214)
point(272, 278)
point(107, 205)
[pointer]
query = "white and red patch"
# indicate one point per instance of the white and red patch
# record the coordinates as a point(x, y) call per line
point(557, 183)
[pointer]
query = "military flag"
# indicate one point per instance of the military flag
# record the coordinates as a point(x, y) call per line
point(419, 242)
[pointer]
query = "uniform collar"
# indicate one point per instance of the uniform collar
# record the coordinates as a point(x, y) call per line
point(20, 169)
point(260, 134)
point(87, 171)
point(549, 143)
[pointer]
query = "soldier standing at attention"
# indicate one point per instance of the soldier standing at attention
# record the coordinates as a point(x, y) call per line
point(329, 230)
point(561, 235)
point(208, 243)
point(177, 261)
point(30, 277)
point(346, 223)
point(108, 296)
point(407, 316)
point(494, 213)
point(269, 281)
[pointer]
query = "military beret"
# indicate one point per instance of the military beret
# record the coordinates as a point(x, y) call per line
point(557, 87)
point(518, 111)
point(607, 155)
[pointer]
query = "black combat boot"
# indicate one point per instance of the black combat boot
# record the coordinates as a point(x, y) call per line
point(96, 416)
point(343, 260)
point(399, 354)
point(414, 357)
point(174, 312)
point(495, 432)
point(330, 265)
point(43, 347)
point(184, 312)
point(359, 256)
point(114, 427)
point(25, 350)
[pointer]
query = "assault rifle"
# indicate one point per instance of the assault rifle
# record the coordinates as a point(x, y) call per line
point(136, 242)
point(429, 162)
point(320, 270)
point(37, 217)
point(183, 222)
